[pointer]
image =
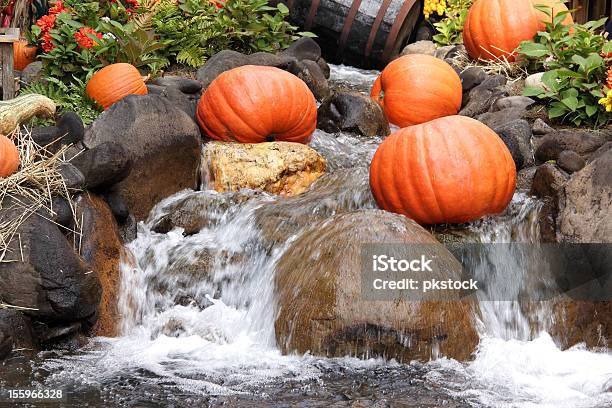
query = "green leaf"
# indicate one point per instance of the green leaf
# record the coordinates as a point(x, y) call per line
point(532, 49)
point(591, 110)
point(532, 91)
point(556, 112)
point(607, 48)
point(571, 102)
point(282, 8)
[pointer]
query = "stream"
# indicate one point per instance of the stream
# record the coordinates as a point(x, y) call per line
point(198, 315)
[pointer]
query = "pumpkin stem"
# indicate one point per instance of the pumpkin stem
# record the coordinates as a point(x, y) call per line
point(376, 91)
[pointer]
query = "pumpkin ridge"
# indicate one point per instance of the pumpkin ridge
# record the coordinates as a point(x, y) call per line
point(425, 143)
point(264, 124)
point(231, 109)
point(304, 119)
point(428, 199)
point(386, 174)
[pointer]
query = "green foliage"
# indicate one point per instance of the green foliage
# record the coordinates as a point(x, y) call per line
point(575, 70)
point(68, 96)
point(196, 29)
point(450, 28)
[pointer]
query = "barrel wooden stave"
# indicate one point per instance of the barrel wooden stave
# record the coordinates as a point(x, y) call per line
point(358, 48)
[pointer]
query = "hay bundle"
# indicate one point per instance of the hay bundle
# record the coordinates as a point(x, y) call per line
point(33, 187)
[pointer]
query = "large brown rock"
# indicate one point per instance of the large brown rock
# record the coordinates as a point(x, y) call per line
point(163, 143)
point(587, 212)
point(101, 248)
point(582, 321)
point(548, 184)
point(322, 309)
point(277, 167)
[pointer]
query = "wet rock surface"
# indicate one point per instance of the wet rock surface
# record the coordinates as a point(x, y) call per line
point(276, 167)
point(101, 247)
point(322, 309)
point(352, 112)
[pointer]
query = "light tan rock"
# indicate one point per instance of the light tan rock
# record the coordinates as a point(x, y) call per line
point(277, 167)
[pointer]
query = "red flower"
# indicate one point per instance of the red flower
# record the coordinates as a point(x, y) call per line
point(46, 23)
point(83, 39)
point(217, 3)
point(57, 8)
point(47, 44)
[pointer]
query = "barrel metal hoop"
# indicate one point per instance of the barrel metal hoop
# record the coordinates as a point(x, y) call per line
point(375, 26)
point(348, 23)
point(314, 6)
point(395, 29)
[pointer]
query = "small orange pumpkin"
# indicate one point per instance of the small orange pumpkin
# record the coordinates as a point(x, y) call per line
point(9, 157)
point(495, 28)
point(113, 83)
point(253, 104)
point(23, 54)
point(450, 170)
point(416, 89)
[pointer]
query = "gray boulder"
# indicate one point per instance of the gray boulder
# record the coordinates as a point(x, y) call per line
point(162, 142)
point(501, 118)
point(420, 47)
point(352, 112)
point(587, 213)
point(43, 273)
point(570, 161)
point(310, 72)
point(582, 142)
point(472, 77)
point(522, 102)
point(303, 49)
point(104, 165)
point(517, 136)
point(185, 85)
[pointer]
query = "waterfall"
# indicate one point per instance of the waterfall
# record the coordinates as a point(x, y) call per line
point(198, 309)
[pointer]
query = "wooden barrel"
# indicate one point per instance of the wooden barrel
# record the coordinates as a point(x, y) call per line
point(363, 33)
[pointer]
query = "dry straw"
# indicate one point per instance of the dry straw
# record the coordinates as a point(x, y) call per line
point(514, 71)
point(32, 190)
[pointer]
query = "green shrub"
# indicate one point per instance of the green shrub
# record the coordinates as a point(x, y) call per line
point(576, 70)
point(197, 29)
point(450, 27)
point(68, 96)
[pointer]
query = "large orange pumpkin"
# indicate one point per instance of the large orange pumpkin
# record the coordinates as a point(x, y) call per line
point(495, 28)
point(416, 89)
point(252, 104)
point(9, 157)
point(114, 82)
point(23, 54)
point(450, 170)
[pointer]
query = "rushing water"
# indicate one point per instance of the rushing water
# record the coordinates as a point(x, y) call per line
point(198, 314)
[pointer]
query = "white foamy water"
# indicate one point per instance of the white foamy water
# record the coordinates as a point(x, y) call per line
point(198, 311)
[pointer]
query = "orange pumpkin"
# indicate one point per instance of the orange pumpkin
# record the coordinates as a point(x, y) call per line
point(416, 89)
point(495, 28)
point(450, 170)
point(9, 157)
point(23, 54)
point(253, 104)
point(113, 83)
